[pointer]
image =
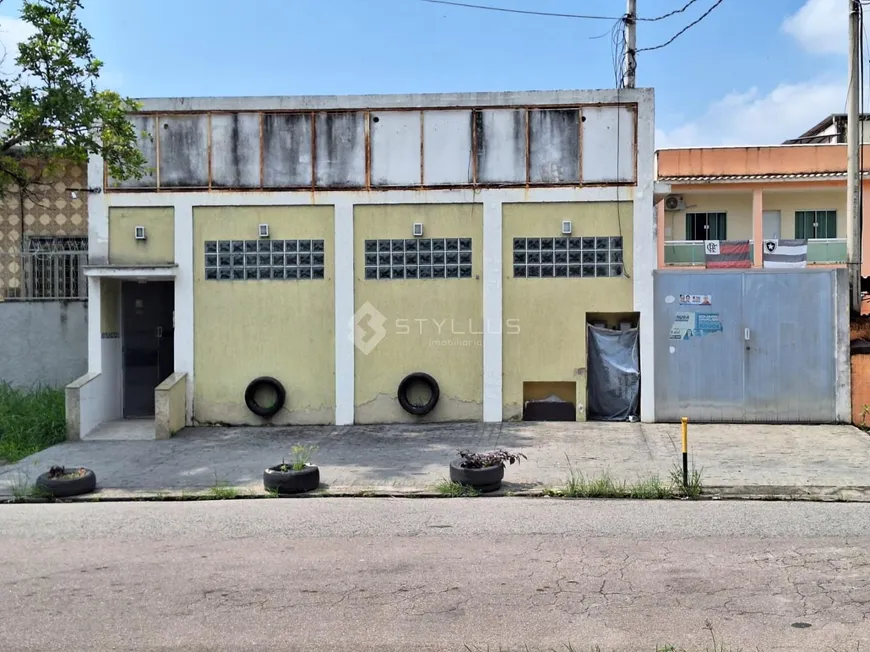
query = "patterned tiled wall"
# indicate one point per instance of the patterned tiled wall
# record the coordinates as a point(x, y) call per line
point(237, 260)
point(418, 258)
point(591, 257)
point(48, 209)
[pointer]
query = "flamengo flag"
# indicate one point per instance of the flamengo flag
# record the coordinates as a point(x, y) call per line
point(784, 253)
point(727, 254)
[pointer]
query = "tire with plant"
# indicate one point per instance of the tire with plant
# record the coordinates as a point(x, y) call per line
point(483, 471)
point(294, 477)
point(60, 482)
point(484, 480)
point(285, 482)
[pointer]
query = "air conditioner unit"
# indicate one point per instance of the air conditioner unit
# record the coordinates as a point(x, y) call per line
point(674, 203)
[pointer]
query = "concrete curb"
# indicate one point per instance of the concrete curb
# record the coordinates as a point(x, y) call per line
point(736, 492)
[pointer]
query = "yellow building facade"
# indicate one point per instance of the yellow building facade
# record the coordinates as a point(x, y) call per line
point(340, 255)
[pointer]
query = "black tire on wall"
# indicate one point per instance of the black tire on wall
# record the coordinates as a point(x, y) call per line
point(405, 385)
point(291, 482)
point(84, 484)
point(484, 480)
point(251, 392)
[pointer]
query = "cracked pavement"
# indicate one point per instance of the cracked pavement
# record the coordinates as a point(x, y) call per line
point(413, 574)
point(416, 457)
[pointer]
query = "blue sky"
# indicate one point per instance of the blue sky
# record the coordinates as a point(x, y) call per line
point(755, 71)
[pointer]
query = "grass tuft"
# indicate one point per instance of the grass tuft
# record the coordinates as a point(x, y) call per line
point(455, 490)
point(604, 486)
point(693, 489)
point(30, 421)
point(23, 491)
point(222, 491)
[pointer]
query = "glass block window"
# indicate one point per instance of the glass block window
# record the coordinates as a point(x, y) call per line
point(418, 258)
point(284, 260)
point(592, 257)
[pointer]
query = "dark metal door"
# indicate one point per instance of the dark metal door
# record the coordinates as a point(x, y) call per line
point(147, 341)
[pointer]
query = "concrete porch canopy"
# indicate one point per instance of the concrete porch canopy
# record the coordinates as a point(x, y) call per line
point(744, 182)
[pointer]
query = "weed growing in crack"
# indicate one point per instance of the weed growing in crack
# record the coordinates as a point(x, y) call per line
point(23, 491)
point(455, 490)
point(693, 489)
point(605, 486)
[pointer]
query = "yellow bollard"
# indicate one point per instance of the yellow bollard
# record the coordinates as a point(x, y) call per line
point(685, 428)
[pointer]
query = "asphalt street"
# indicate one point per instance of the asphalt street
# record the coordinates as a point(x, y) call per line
point(441, 574)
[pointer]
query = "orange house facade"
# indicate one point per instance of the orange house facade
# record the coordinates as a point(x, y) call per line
point(755, 194)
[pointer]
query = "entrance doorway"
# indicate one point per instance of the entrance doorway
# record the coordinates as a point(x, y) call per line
point(147, 341)
point(771, 225)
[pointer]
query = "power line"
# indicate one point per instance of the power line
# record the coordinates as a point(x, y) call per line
point(550, 14)
point(682, 31)
point(520, 11)
point(670, 13)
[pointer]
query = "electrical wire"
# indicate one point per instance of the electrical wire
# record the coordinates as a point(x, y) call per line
point(530, 12)
point(671, 13)
point(682, 31)
point(527, 12)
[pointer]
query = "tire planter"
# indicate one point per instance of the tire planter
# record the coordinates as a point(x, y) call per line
point(66, 488)
point(484, 480)
point(267, 410)
point(291, 482)
point(405, 385)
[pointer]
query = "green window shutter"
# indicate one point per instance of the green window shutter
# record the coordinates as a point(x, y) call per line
point(800, 228)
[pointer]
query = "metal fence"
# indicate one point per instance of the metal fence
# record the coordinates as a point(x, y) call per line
point(51, 268)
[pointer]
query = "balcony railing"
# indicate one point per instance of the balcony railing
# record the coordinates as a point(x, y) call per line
point(828, 251)
point(690, 253)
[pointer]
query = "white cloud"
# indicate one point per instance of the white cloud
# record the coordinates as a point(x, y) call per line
point(753, 118)
point(820, 26)
point(12, 32)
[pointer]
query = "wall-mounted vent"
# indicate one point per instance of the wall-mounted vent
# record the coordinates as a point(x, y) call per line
point(566, 227)
point(264, 230)
point(139, 233)
point(418, 229)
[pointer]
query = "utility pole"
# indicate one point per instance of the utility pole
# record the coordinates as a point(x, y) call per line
point(853, 149)
point(630, 27)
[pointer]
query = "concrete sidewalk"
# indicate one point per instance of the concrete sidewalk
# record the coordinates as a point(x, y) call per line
point(756, 460)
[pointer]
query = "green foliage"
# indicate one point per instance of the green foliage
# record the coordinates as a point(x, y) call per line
point(30, 420)
point(604, 486)
point(52, 107)
point(301, 455)
point(694, 488)
point(23, 491)
point(455, 490)
point(222, 491)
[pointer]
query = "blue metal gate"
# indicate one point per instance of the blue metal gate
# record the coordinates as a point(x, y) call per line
point(754, 346)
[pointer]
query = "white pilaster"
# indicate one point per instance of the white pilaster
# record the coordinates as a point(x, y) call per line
point(98, 213)
point(184, 298)
point(492, 308)
point(95, 344)
point(343, 274)
point(645, 250)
